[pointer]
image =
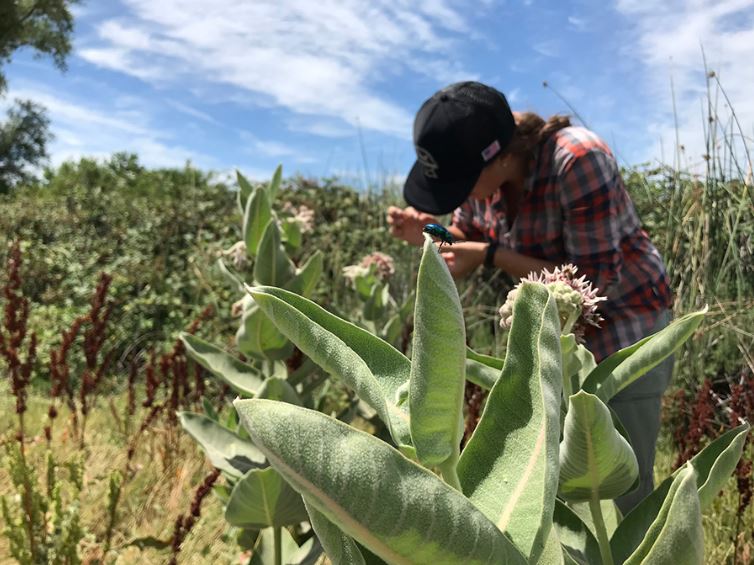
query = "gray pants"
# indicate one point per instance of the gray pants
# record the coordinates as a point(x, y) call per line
point(638, 407)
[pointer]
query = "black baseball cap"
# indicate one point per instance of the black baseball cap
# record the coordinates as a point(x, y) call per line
point(457, 132)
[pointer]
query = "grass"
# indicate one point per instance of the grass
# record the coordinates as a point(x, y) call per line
point(160, 489)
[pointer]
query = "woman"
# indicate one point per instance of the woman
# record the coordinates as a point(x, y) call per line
point(528, 194)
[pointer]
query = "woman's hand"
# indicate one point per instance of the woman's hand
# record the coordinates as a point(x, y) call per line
point(463, 257)
point(407, 224)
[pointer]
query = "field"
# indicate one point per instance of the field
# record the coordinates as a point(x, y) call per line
point(108, 356)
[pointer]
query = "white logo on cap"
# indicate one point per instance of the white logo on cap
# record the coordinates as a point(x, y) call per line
point(428, 162)
point(491, 150)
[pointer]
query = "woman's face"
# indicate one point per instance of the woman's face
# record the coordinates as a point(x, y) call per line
point(500, 171)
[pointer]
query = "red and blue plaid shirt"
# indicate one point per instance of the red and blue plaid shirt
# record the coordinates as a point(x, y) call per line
point(575, 209)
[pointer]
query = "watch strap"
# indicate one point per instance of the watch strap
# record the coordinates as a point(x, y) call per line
point(489, 255)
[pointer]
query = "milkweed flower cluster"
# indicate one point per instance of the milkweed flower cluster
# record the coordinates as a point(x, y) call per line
point(237, 254)
point(380, 264)
point(302, 215)
point(576, 299)
point(384, 264)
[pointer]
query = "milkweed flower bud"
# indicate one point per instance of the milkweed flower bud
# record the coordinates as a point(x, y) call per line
point(302, 215)
point(305, 219)
point(575, 297)
point(352, 272)
point(379, 264)
point(237, 254)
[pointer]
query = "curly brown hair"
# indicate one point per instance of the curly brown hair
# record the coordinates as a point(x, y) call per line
point(531, 132)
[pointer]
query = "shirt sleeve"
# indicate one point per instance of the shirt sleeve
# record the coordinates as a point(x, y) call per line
point(590, 197)
point(463, 219)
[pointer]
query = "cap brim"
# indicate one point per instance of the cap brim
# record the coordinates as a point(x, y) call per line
point(435, 196)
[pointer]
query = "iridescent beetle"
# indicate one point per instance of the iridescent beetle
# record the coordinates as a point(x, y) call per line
point(438, 231)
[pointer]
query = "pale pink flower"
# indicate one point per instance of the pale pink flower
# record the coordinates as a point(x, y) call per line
point(577, 300)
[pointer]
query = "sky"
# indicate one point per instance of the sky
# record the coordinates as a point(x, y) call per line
point(330, 87)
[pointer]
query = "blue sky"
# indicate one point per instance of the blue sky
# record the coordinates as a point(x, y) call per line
point(330, 87)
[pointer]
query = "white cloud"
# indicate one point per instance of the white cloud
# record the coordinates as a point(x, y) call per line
point(191, 111)
point(325, 58)
point(578, 24)
point(320, 127)
point(548, 48)
point(83, 130)
point(266, 148)
point(670, 36)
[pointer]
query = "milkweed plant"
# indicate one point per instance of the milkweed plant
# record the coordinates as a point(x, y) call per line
point(535, 483)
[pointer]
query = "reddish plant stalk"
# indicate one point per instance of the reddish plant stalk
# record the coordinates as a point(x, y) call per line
point(474, 396)
point(60, 383)
point(697, 425)
point(186, 522)
point(94, 339)
point(12, 336)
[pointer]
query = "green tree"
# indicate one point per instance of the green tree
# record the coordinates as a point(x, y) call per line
point(43, 25)
point(23, 143)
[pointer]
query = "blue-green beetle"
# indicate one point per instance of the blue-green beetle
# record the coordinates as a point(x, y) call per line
point(440, 232)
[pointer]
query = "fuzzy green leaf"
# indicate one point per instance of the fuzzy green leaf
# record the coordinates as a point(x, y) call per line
point(340, 548)
point(611, 515)
point(438, 363)
point(306, 278)
point(257, 216)
point(578, 363)
point(261, 499)
point(375, 370)
point(274, 186)
point(553, 553)
point(577, 539)
point(234, 282)
point(509, 469)
point(595, 460)
point(625, 366)
point(244, 191)
point(488, 360)
point(716, 462)
point(291, 233)
point(226, 450)
point(291, 554)
point(275, 388)
point(676, 535)
point(272, 266)
point(392, 330)
point(482, 370)
point(713, 466)
point(243, 378)
point(258, 337)
point(394, 507)
point(480, 374)
point(378, 299)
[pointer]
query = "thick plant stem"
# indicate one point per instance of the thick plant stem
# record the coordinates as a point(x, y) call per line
point(599, 524)
point(449, 473)
point(278, 547)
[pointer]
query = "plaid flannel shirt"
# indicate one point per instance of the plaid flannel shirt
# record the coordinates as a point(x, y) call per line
point(575, 209)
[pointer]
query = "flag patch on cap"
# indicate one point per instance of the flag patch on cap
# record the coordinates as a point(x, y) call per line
point(491, 150)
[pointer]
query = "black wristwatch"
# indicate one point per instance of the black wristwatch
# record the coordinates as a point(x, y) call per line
point(489, 256)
